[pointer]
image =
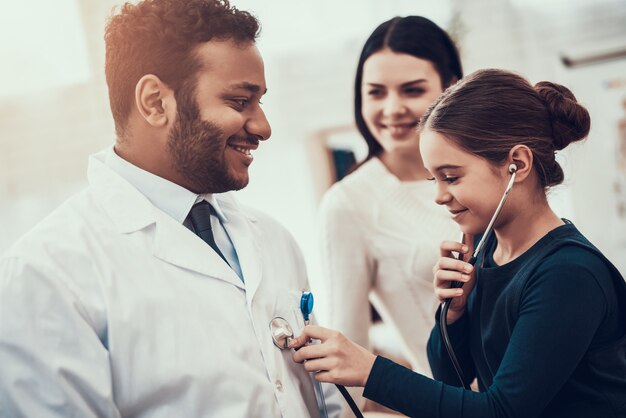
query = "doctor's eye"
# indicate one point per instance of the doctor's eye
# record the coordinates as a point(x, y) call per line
point(241, 102)
point(450, 179)
point(431, 179)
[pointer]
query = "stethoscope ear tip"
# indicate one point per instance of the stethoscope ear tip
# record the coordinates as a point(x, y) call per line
point(512, 168)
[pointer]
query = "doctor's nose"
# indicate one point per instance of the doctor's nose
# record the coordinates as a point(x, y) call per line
point(258, 125)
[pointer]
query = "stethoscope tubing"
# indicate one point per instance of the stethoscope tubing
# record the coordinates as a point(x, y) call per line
point(350, 401)
point(445, 306)
point(281, 331)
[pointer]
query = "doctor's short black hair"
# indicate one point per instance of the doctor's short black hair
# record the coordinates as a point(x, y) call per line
point(158, 37)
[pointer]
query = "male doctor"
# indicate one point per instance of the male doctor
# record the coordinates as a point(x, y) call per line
point(149, 294)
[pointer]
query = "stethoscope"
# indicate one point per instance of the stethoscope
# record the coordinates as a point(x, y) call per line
point(445, 306)
point(282, 334)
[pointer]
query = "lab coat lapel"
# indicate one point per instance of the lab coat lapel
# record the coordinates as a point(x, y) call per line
point(246, 238)
point(133, 214)
point(177, 245)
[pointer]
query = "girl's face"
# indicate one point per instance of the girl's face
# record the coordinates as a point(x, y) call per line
point(469, 186)
point(396, 90)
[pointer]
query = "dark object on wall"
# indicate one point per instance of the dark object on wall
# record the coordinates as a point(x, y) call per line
point(572, 60)
point(343, 161)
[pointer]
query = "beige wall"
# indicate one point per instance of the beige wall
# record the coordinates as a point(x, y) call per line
point(47, 136)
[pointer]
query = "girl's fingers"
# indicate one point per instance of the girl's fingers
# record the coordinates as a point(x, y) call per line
point(298, 342)
point(324, 377)
point(447, 247)
point(443, 294)
point(311, 332)
point(446, 263)
point(444, 277)
point(310, 352)
point(315, 365)
point(468, 241)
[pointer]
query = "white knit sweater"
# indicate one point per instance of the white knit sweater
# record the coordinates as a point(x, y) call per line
point(380, 240)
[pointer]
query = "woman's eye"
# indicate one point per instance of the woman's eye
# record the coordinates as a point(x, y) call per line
point(414, 91)
point(375, 92)
point(450, 179)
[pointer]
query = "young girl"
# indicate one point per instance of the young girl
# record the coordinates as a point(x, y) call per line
point(540, 320)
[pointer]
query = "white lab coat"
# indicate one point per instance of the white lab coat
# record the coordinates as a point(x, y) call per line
point(111, 308)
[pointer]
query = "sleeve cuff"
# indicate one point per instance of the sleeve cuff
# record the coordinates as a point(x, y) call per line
point(376, 378)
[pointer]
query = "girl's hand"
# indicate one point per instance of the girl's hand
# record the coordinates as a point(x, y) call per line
point(450, 269)
point(336, 360)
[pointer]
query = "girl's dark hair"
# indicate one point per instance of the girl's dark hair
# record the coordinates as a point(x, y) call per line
point(413, 35)
point(490, 111)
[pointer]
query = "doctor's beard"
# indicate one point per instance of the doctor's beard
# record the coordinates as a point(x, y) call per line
point(197, 149)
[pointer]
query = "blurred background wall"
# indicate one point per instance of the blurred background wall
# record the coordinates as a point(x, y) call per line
point(54, 107)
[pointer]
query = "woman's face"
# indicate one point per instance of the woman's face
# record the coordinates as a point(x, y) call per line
point(469, 186)
point(396, 90)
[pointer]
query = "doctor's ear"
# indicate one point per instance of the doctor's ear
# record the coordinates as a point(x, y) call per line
point(155, 101)
point(520, 161)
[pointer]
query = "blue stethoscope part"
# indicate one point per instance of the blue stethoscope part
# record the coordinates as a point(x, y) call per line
point(306, 305)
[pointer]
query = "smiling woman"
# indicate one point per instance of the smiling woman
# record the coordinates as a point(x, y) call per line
point(379, 226)
point(397, 88)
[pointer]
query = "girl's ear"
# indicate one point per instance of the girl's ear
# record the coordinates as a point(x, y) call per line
point(522, 157)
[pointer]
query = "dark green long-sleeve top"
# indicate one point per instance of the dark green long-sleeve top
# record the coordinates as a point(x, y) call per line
point(529, 351)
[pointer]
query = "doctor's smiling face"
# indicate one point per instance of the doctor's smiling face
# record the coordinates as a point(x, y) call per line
point(219, 120)
point(469, 186)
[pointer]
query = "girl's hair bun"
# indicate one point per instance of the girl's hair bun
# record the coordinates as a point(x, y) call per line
point(570, 120)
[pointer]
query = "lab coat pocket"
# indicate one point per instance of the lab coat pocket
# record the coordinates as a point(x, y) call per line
point(287, 306)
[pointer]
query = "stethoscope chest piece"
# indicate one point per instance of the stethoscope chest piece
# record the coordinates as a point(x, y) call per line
point(282, 333)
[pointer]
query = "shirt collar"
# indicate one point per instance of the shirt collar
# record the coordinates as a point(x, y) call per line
point(174, 200)
point(209, 197)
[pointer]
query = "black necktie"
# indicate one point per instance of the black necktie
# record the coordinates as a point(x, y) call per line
point(200, 217)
